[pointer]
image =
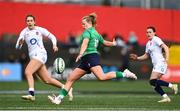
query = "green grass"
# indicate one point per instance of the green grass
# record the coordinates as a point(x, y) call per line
point(90, 95)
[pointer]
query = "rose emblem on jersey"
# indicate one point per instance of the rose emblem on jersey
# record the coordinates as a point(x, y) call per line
point(37, 33)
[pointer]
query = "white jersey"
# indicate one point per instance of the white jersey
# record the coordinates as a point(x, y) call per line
point(34, 40)
point(155, 51)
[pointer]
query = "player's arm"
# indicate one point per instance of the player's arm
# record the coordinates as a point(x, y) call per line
point(20, 41)
point(83, 48)
point(105, 42)
point(109, 43)
point(166, 49)
point(53, 39)
point(139, 58)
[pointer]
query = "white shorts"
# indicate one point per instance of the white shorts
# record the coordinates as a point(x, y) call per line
point(160, 68)
point(40, 56)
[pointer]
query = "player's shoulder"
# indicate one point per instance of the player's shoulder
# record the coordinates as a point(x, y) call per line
point(147, 44)
point(24, 30)
point(156, 38)
point(86, 32)
point(39, 28)
point(89, 30)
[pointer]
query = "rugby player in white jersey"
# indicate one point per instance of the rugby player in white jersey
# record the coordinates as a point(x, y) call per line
point(154, 49)
point(33, 36)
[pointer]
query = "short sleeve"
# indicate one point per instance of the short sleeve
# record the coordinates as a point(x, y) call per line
point(146, 50)
point(86, 34)
point(22, 34)
point(158, 41)
point(101, 39)
point(44, 31)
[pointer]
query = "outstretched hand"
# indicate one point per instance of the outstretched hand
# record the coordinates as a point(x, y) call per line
point(55, 48)
point(133, 56)
point(114, 42)
point(78, 57)
point(19, 44)
point(21, 41)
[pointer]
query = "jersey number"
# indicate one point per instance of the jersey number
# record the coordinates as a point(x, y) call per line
point(96, 43)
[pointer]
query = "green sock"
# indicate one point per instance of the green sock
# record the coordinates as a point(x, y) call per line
point(63, 93)
point(119, 74)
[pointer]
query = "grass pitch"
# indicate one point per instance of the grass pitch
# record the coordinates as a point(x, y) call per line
point(89, 95)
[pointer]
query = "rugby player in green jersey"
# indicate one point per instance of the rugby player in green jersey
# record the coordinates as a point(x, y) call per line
point(89, 59)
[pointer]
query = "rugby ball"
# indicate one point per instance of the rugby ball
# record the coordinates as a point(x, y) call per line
point(59, 65)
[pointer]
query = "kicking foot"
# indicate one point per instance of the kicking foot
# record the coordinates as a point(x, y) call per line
point(55, 100)
point(129, 74)
point(28, 97)
point(51, 98)
point(175, 88)
point(70, 94)
point(165, 100)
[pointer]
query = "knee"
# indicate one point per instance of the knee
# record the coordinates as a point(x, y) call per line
point(153, 82)
point(28, 73)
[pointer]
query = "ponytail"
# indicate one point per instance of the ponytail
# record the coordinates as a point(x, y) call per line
point(91, 18)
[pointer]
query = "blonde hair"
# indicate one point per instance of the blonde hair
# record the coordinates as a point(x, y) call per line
point(91, 18)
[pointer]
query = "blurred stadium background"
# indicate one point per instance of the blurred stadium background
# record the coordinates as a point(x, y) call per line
point(125, 20)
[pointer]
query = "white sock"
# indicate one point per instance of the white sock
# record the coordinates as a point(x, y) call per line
point(170, 85)
point(123, 74)
point(60, 97)
point(31, 89)
point(164, 95)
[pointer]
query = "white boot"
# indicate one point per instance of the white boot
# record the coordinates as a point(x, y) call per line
point(129, 74)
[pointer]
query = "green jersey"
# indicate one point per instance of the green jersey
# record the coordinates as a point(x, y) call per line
point(94, 39)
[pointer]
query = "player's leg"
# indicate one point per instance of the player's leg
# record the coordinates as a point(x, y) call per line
point(154, 81)
point(93, 62)
point(174, 87)
point(75, 75)
point(97, 70)
point(31, 68)
point(161, 69)
point(46, 78)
